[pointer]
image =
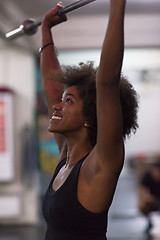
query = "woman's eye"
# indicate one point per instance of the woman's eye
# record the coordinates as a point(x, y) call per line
point(68, 100)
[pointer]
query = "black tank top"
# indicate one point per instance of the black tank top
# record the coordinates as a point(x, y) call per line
point(66, 218)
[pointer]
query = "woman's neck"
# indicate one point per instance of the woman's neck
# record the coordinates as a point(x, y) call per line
point(77, 151)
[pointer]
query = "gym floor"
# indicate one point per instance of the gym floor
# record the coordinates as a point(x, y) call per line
point(125, 222)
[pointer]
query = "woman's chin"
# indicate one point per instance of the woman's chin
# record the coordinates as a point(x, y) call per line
point(50, 129)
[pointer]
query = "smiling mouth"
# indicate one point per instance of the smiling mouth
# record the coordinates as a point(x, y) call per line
point(56, 117)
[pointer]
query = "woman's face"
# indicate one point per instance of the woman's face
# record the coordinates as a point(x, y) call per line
point(67, 115)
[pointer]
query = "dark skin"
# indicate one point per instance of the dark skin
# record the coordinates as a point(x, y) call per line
point(100, 170)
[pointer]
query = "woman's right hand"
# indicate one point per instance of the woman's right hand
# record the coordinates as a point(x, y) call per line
point(52, 18)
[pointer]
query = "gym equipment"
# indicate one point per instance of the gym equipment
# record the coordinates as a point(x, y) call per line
point(30, 26)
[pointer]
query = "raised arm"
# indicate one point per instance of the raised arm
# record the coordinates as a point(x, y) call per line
point(50, 64)
point(109, 115)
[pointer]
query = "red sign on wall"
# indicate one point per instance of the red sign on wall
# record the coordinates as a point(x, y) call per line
point(3, 145)
point(6, 135)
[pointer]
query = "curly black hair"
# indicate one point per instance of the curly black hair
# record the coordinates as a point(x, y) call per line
point(129, 105)
point(83, 77)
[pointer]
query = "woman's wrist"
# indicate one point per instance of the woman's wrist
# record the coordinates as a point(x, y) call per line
point(46, 34)
point(46, 25)
point(44, 46)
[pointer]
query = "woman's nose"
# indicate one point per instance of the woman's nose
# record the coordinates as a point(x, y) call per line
point(57, 106)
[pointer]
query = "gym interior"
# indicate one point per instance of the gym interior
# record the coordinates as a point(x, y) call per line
point(28, 153)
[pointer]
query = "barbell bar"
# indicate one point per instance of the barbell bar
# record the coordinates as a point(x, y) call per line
point(29, 26)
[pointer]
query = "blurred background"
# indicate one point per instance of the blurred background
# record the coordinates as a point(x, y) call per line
point(28, 153)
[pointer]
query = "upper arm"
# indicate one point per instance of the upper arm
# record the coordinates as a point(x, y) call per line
point(53, 90)
point(49, 63)
point(109, 114)
point(53, 93)
point(109, 122)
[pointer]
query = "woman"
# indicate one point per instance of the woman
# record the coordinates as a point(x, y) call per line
point(89, 131)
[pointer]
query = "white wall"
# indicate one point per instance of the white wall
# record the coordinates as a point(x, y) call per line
point(17, 73)
point(147, 138)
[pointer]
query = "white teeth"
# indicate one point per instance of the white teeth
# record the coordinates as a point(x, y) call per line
point(56, 117)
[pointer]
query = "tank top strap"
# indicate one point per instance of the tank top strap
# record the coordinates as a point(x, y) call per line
point(62, 163)
point(79, 163)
